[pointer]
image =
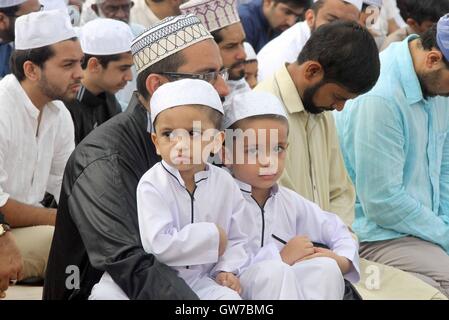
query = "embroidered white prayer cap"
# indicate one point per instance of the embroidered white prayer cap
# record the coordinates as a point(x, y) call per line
point(104, 36)
point(214, 14)
point(43, 28)
point(249, 50)
point(249, 104)
point(165, 38)
point(184, 92)
point(10, 3)
point(357, 3)
point(377, 3)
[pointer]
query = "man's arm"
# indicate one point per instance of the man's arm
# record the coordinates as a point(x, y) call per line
point(102, 204)
point(10, 260)
point(22, 215)
point(341, 189)
point(64, 146)
point(379, 159)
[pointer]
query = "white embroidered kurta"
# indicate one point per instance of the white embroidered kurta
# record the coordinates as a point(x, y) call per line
point(286, 215)
point(32, 159)
point(284, 48)
point(179, 228)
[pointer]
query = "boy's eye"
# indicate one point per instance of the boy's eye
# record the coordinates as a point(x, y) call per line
point(195, 133)
point(252, 151)
point(279, 149)
point(166, 134)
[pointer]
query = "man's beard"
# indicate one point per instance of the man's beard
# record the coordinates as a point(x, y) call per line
point(55, 93)
point(236, 75)
point(428, 81)
point(307, 99)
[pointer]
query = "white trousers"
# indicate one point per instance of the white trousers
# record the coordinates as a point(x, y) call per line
point(319, 279)
point(205, 288)
point(269, 280)
point(315, 279)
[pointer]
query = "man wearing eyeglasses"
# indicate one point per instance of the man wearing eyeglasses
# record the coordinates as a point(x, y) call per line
point(9, 11)
point(222, 20)
point(97, 216)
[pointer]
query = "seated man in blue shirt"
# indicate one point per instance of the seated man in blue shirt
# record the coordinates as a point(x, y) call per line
point(263, 20)
point(395, 144)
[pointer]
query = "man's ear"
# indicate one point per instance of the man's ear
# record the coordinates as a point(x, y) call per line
point(93, 65)
point(155, 142)
point(313, 72)
point(153, 82)
point(433, 59)
point(31, 71)
point(309, 17)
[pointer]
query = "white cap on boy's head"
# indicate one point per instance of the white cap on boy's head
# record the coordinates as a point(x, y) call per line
point(184, 92)
point(250, 104)
point(105, 37)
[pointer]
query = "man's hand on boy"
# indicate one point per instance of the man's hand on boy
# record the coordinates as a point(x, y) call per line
point(223, 242)
point(296, 249)
point(228, 279)
point(343, 263)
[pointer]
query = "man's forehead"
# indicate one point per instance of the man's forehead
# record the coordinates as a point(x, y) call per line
point(115, 2)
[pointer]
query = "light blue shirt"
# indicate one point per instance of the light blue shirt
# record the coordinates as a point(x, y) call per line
point(396, 150)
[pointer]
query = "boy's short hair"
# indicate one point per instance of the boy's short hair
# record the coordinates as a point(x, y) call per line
point(103, 59)
point(423, 10)
point(214, 116)
point(238, 123)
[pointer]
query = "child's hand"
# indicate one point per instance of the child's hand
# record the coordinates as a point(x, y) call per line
point(343, 263)
point(223, 241)
point(229, 280)
point(296, 249)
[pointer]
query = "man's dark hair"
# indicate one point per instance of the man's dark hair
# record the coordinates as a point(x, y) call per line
point(217, 36)
point(348, 54)
point(10, 11)
point(296, 3)
point(316, 6)
point(429, 41)
point(169, 64)
point(104, 60)
point(38, 56)
point(423, 10)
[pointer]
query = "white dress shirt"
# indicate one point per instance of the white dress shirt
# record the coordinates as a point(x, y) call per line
point(179, 228)
point(284, 48)
point(286, 215)
point(32, 157)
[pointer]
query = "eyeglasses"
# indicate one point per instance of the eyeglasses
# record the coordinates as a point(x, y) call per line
point(210, 77)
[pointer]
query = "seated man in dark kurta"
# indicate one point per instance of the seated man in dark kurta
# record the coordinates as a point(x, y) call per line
point(106, 44)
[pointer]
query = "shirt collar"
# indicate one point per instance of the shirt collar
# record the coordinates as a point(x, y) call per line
point(246, 188)
point(407, 73)
point(89, 99)
point(30, 108)
point(199, 176)
point(288, 91)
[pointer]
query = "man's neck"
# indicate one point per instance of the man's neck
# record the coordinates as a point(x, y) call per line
point(91, 85)
point(34, 93)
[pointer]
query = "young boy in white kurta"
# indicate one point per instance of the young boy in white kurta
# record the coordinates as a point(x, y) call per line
point(282, 224)
point(186, 208)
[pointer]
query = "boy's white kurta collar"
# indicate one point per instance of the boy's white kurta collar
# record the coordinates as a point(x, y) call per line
point(246, 188)
point(199, 176)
